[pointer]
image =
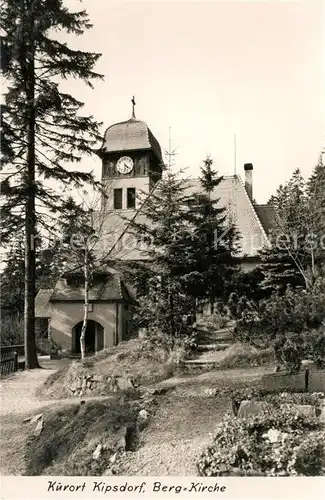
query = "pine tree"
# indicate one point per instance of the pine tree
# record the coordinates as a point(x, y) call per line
point(292, 257)
point(164, 230)
point(315, 218)
point(211, 261)
point(43, 126)
point(12, 280)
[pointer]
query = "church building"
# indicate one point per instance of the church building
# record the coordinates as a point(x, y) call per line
point(132, 164)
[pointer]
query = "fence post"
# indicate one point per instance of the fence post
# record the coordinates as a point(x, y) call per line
point(16, 361)
point(306, 379)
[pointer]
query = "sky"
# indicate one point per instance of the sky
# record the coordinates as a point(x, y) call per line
point(202, 72)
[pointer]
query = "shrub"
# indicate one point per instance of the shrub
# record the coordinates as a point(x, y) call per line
point(277, 399)
point(280, 442)
point(285, 321)
point(215, 321)
point(314, 347)
point(289, 350)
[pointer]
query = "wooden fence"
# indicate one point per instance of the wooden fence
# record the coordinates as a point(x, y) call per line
point(9, 358)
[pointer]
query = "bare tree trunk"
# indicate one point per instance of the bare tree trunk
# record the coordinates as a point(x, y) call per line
point(30, 215)
point(86, 303)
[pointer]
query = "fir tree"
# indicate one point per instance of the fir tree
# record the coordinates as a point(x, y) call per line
point(315, 218)
point(43, 126)
point(294, 254)
point(164, 230)
point(211, 252)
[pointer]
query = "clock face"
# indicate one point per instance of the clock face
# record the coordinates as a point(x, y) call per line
point(124, 165)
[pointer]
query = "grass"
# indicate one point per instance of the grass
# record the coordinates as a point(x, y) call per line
point(243, 355)
point(72, 433)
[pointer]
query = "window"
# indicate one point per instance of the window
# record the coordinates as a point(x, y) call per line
point(131, 198)
point(118, 198)
point(77, 281)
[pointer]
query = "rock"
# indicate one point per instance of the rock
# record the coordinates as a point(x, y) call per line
point(36, 418)
point(39, 428)
point(148, 401)
point(121, 444)
point(124, 384)
point(156, 390)
point(211, 392)
point(251, 407)
point(150, 390)
point(143, 333)
point(308, 410)
point(143, 415)
point(75, 387)
point(143, 418)
point(322, 414)
point(97, 452)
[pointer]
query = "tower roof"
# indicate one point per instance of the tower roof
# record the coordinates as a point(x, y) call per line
point(130, 135)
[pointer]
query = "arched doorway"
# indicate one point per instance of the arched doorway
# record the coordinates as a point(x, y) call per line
point(94, 338)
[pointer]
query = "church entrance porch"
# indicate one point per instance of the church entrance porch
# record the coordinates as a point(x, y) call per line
point(94, 338)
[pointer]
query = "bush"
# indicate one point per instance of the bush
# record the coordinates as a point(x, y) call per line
point(213, 321)
point(280, 442)
point(291, 322)
point(289, 351)
point(277, 399)
point(314, 347)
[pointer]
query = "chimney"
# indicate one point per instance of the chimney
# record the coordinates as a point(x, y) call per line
point(248, 167)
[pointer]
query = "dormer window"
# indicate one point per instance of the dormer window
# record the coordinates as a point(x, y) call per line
point(76, 281)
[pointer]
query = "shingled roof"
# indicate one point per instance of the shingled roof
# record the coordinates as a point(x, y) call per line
point(42, 305)
point(128, 136)
point(119, 241)
point(266, 214)
point(111, 289)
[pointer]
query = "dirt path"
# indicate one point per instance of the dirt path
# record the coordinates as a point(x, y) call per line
point(18, 400)
point(183, 422)
point(178, 429)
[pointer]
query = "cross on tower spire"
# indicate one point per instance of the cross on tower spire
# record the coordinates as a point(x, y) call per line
point(133, 106)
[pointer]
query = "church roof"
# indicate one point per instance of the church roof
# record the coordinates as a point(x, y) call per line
point(119, 242)
point(266, 214)
point(130, 135)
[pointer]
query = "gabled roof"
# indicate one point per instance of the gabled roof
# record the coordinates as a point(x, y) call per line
point(130, 135)
point(119, 242)
point(109, 290)
point(266, 214)
point(42, 305)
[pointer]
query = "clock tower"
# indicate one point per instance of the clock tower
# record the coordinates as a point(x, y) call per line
point(131, 164)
